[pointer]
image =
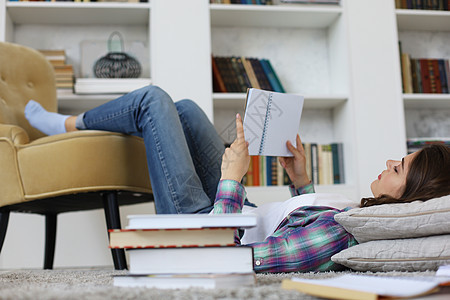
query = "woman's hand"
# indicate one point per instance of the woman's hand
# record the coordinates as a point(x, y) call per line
point(296, 166)
point(235, 160)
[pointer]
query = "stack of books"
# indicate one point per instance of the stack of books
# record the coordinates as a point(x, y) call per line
point(184, 251)
point(64, 73)
point(237, 74)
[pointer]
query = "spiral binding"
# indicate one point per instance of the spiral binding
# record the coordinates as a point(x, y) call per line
point(266, 124)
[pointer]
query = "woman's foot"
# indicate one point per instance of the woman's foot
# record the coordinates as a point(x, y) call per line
point(49, 123)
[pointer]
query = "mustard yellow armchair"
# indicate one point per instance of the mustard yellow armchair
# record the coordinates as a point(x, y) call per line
point(74, 171)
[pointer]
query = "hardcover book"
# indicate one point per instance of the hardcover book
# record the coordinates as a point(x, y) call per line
point(165, 238)
point(174, 221)
point(197, 260)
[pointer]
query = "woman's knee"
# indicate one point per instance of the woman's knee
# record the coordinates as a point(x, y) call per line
point(152, 94)
point(187, 108)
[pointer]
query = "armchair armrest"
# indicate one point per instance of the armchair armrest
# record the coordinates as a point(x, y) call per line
point(16, 134)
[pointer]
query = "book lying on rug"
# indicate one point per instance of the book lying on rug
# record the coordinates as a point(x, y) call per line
point(196, 260)
point(270, 120)
point(182, 281)
point(174, 221)
point(160, 238)
point(363, 287)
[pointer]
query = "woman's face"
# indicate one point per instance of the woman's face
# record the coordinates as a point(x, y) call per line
point(392, 181)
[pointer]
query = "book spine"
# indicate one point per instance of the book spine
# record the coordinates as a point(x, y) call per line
point(272, 74)
point(255, 160)
point(419, 76)
point(407, 78)
point(260, 74)
point(443, 76)
point(274, 170)
point(437, 75)
point(240, 78)
point(250, 72)
point(432, 76)
point(447, 71)
point(314, 164)
point(218, 84)
point(335, 159)
point(415, 81)
point(425, 72)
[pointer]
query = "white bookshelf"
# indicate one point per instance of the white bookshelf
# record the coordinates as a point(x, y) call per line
point(305, 16)
point(426, 101)
point(78, 12)
point(415, 19)
point(425, 34)
point(233, 100)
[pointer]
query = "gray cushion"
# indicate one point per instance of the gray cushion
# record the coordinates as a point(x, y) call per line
point(415, 254)
point(398, 221)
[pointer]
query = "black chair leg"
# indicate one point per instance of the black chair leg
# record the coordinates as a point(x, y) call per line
point(4, 218)
point(50, 240)
point(112, 215)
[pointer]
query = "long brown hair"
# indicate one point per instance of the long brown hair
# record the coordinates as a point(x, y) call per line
point(428, 177)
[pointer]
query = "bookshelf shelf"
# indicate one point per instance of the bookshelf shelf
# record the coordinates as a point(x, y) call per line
point(231, 100)
point(298, 16)
point(410, 19)
point(429, 101)
point(78, 13)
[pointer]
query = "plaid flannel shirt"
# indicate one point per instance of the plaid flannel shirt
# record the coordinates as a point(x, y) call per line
point(304, 241)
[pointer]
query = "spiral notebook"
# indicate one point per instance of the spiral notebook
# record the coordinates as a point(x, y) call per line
point(270, 120)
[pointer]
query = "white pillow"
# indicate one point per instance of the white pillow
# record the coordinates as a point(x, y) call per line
point(398, 221)
point(418, 254)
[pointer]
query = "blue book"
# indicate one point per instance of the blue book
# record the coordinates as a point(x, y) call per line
point(443, 76)
point(272, 76)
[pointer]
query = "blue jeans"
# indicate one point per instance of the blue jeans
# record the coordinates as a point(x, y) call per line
point(184, 151)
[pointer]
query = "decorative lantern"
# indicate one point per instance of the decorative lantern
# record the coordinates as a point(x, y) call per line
point(117, 64)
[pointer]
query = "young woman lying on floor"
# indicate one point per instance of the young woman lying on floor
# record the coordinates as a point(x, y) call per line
point(192, 172)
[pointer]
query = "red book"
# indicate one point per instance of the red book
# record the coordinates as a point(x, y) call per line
point(437, 75)
point(255, 163)
point(218, 83)
point(425, 74)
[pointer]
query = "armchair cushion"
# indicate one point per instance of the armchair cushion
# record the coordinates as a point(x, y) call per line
point(14, 133)
point(79, 162)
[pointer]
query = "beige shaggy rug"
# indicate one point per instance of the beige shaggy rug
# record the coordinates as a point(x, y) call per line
point(97, 284)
